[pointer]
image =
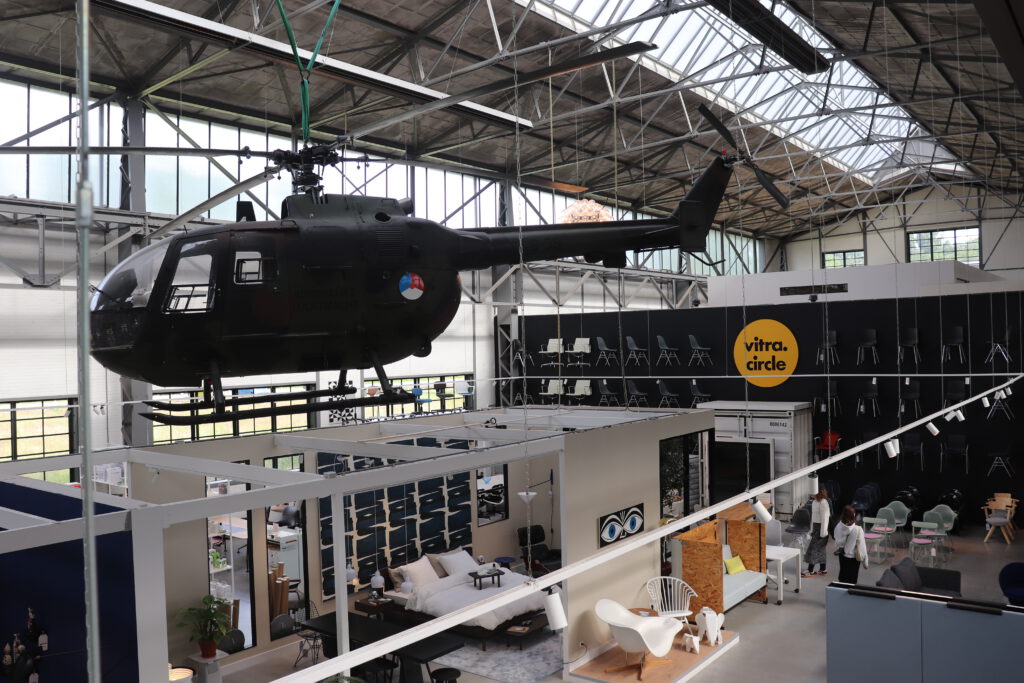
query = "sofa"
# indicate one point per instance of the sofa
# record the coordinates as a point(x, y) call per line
point(908, 576)
point(703, 551)
point(739, 586)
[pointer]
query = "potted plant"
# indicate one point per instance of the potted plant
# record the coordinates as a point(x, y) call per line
point(209, 623)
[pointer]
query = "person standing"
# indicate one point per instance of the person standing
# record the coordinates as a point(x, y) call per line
point(851, 547)
point(815, 554)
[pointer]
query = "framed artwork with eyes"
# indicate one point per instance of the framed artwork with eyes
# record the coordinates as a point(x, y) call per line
point(619, 525)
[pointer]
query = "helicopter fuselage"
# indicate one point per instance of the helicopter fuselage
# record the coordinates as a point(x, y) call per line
point(341, 282)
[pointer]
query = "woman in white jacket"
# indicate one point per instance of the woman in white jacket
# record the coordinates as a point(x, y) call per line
point(815, 553)
point(850, 546)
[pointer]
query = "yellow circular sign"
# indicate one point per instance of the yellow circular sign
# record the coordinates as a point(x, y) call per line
point(765, 353)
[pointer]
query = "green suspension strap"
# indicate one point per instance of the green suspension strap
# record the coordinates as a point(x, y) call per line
point(305, 71)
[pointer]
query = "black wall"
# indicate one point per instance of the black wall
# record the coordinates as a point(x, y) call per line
point(983, 316)
point(51, 580)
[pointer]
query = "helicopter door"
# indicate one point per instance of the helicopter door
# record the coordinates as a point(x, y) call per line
point(254, 301)
point(192, 288)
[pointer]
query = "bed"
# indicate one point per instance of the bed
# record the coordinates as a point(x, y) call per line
point(442, 595)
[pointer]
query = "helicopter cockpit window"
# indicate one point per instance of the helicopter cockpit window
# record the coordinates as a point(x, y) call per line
point(130, 283)
point(252, 267)
point(192, 286)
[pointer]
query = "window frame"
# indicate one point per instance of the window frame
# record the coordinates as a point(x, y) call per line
point(956, 245)
point(12, 408)
point(846, 256)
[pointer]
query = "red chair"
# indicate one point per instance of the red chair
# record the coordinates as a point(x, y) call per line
point(827, 445)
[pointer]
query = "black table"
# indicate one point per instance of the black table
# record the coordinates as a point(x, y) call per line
point(478, 578)
point(363, 630)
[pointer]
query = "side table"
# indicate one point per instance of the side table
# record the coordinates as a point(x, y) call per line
point(371, 607)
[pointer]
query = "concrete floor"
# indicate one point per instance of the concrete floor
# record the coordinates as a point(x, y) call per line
point(777, 643)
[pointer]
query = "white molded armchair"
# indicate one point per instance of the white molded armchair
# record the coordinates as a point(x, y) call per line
point(670, 596)
point(646, 635)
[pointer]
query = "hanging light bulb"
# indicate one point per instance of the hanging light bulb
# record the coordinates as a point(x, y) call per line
point(350, 572)
point(959, 415)
point(376, 581)
point(932, 428)
point(408, 586)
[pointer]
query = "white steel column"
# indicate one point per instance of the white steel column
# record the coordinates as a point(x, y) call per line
point(340, 578)
point(150, 593)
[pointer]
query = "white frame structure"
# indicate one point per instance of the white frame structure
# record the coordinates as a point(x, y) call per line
point(530, 432)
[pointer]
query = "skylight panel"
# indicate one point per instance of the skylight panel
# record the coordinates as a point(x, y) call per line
point(700, 48)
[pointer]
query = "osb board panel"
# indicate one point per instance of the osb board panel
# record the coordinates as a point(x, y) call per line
point(682, 663)
point(702, 569)
point(746, 539)
point(709, 532)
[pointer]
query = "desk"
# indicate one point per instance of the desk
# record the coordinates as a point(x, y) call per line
point(779, 554)
point(364, 630)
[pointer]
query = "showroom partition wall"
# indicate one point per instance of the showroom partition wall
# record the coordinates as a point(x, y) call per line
point(981, 319)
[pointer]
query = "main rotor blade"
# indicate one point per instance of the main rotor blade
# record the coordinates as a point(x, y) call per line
point(717, 124)
point(262, 177)
point(592, 59)
point(168, 151)
point(767, 184)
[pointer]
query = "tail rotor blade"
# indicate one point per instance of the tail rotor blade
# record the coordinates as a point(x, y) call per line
point(768, 185)
point(717, 124)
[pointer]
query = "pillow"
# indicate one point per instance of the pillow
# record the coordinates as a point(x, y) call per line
point(458, 562)
point(436, 564)
point(734, 565)
point(889, 580)
point(396, 578)
point(420, 573)
point(906, 572)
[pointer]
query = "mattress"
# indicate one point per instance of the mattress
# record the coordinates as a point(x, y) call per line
point(398, 597)
point(455, 592)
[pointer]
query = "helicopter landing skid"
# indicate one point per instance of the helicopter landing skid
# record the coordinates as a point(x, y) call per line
point(249, 400)
point(383, 399)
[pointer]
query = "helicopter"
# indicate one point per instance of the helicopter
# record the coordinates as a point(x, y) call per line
point(340, 282)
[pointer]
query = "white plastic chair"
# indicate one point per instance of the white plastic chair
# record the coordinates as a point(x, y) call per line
point(670, 596)
point(634, 633)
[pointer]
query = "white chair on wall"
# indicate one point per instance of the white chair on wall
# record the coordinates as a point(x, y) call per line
point(636, 634)
point(670, 596)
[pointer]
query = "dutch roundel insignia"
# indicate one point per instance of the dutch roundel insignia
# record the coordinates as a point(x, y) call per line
point(411, 286)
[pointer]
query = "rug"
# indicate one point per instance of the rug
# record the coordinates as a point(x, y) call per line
point(540, 657)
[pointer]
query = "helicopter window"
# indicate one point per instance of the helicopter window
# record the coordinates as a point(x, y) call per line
point(131, 282)
point(252, 268)
point(191, 289)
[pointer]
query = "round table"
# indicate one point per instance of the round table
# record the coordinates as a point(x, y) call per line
point(505, 562)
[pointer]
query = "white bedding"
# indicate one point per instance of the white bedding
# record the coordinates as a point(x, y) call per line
point(454, 592)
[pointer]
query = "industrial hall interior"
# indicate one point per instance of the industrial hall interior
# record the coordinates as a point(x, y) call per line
point(511, 341)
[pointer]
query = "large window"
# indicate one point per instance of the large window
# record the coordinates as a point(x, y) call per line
point(37, 429)
point(957, 244)
point(842, 259)
point(234, 426)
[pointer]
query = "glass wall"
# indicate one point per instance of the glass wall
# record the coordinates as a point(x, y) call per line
point(230, 562)
point(37, 429)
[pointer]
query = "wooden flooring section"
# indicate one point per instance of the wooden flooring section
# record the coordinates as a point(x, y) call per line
point(683, 663)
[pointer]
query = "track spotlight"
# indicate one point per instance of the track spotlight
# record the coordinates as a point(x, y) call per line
point(932, 428)
point(985, 402)
point(760, 511)
point(959, 415)
point(949, 416)
point(1008, 391)
point(1000, 395)
point(891, 448)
